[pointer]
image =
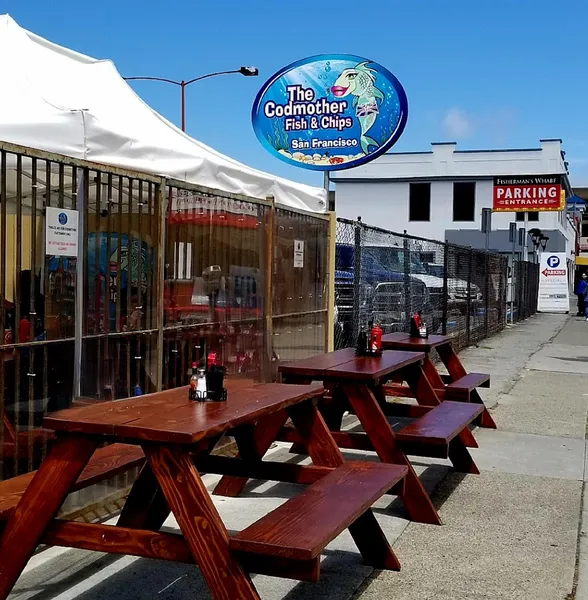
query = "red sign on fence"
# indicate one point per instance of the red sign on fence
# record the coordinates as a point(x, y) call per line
point(528, 193)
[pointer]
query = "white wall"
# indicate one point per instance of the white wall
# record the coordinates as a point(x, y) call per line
point(444, 160)
point(385, 204)
point(379, 190)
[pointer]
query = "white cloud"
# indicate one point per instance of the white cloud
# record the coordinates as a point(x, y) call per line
point(458, 124)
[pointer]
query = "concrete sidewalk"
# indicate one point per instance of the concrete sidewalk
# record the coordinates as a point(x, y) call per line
point(511, 532)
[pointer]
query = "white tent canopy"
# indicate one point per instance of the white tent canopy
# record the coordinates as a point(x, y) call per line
point(61, 101)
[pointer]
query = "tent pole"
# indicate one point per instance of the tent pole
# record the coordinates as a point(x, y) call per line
point(79, 301)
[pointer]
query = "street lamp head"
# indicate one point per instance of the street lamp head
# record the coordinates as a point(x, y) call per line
point(534, 232)
point(249, 71)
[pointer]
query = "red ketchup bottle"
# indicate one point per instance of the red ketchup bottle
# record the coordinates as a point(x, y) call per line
point(376, 339)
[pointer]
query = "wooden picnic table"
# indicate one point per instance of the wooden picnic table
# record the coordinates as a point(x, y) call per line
point(177, 437)
point(457, 385)
point(439, 430)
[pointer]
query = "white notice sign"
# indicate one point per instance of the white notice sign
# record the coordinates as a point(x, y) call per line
point(298, 254)
point(61, 232)
point(553, 283)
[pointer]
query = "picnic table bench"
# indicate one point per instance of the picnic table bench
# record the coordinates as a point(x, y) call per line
point(440, 430)
point(176, 436)
point(458, 385)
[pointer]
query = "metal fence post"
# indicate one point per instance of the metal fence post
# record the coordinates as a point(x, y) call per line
point(331, 250)
point(269, 292)
point(444, 299)
point(407, 303)
point(469, 299)
point(161, 211)
point(357, 279)
point(486, 294)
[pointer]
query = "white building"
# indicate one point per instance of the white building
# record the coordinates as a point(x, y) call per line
point(440, 194)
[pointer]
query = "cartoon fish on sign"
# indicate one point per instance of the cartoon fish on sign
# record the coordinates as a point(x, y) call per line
point(360, 81)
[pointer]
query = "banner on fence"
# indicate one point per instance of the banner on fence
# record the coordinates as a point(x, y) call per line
point(553, 283)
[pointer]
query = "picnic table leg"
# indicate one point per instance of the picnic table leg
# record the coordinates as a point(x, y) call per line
point(432, 374)
point(200, 523)
point(324, 452)
point(332, 409)
point(415, 498)
point(39, 504)
point(145, 507)
point(252, 445)
point(456, 371)
point(460, 458)
point(424, 393)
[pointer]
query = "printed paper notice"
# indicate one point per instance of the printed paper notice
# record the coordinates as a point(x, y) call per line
point(61, 232)
point(298, 254)
point(553, 283)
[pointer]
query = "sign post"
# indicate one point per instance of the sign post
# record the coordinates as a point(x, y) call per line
point(553, 283)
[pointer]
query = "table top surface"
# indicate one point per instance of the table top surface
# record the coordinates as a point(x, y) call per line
point(343, 364)
point(403, 341)
point(170, 417)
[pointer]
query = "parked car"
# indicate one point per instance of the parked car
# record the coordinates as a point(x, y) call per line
point(457, 289)
point(381, 294)
point(431, 274)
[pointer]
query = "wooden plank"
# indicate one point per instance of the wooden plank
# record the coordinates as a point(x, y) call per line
point(253, 442)
point(300, 570)
point(456, 370)
point(163, 546)
point(470, 382)
point(39, 505)
point(403, 341)
point(374, 368)
point(461, 459)
point(315, 435)
point(267, 470)
point(420, 384)
point(303, 526)
point(323, 451)
point(316, 366)
point(8, 429)
point(145, 506)
point(200, 523)
point(118, 540)
point(170, 417)
point(344, 439)
point(416, 500)
point(409, 411)
point(105, 462)
point(443, 423)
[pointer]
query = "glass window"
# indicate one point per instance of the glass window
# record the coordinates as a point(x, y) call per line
point(464, 201)
point(420, 202)
point(531, 216)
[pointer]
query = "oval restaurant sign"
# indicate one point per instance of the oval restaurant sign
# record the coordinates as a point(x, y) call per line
point(330, 112)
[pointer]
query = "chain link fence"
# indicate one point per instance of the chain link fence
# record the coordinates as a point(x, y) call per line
point(386, 277)
point(524, 282)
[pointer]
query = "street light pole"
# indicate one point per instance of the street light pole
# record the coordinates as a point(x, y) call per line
point(245, 71)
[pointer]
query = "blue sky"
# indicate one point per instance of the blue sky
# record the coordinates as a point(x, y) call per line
point(487, 74)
